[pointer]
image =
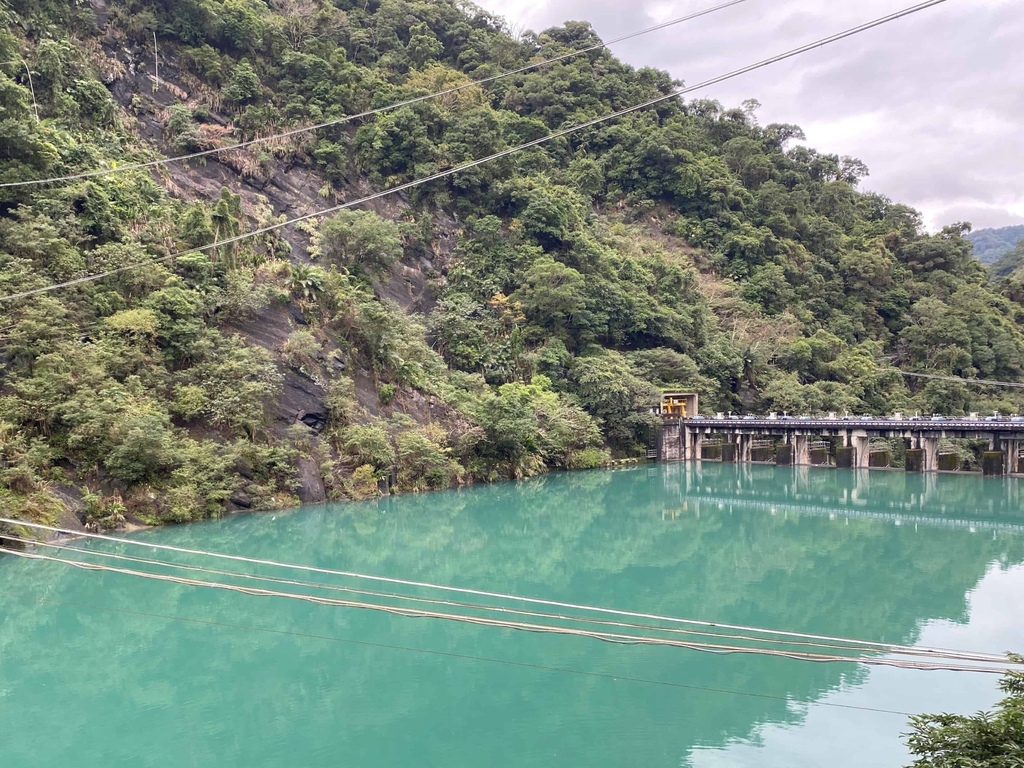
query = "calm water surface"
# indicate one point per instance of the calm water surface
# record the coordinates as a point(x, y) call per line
point(92, 673)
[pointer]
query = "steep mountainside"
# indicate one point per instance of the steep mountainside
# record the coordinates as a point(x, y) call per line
point(1009, 262)
point(992, 244)
point(510, 318)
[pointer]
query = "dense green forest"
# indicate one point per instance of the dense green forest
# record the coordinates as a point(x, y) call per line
point(512, 318)
point(1009, 263)
point(990, 245)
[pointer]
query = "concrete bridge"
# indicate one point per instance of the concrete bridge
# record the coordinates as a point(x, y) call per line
point(802, 440)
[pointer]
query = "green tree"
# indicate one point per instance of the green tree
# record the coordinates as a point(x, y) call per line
point(244, 85)
point(359, 239)
point(609, 389)
point(992, 739)
point(423, 45)
point(305, 282)
point(552, 297)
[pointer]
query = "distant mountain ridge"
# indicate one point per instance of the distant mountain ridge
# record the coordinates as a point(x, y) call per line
point(992, 244)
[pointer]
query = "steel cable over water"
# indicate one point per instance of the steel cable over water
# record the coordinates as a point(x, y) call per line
point(919, 650)
point(496, 156)
point(896, 650)
point(609, 637)
point(446, 654)
point(774, 637)
point(371, 112)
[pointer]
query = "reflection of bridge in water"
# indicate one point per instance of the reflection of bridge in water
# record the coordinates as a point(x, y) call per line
point(953, 502)
point(838, 513)
point(790, 441)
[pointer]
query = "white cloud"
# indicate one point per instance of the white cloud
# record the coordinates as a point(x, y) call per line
point(931, 102)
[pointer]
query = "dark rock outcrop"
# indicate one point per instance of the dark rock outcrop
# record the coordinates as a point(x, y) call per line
point(311, 490)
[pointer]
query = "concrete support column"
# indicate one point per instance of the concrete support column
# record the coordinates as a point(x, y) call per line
point(743, 448)
point(931, 453)
point(1013, 463)
point(863, 445)
point(801, 450)
point(698, 444)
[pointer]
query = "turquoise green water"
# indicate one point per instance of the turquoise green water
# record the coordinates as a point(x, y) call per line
point(91, 676)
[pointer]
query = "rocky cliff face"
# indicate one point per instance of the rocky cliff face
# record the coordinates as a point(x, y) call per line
point(274, 186)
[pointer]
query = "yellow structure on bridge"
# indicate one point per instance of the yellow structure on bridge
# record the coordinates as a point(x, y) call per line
point(678, 405)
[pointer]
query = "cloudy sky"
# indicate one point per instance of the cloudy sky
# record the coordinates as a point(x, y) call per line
point(933, 103)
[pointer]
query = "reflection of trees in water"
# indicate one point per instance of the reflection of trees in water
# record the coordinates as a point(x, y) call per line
point(599, 537)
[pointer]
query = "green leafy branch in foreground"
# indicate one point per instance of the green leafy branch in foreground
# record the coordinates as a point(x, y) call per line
point(991, 739)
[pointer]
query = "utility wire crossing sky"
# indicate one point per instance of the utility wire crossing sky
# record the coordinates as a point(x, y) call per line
point(932, 105)
point(865, 26)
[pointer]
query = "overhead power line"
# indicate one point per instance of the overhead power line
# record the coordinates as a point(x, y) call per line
point(562, 605)
point(962, 380)
point(497, 155)
point(447, 654)
point(372, 112)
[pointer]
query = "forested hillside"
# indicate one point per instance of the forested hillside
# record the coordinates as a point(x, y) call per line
point(514, 317)
point(990, 245)
point(1009, 262)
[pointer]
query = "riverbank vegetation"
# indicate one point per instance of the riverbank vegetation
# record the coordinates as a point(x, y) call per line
point(512, 318)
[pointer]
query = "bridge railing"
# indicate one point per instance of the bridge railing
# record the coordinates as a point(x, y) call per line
point(925, 425)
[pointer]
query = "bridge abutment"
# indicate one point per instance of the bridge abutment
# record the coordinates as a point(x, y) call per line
point(670, 442)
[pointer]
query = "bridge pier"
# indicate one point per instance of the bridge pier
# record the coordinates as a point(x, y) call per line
point(861, 449)
point(802, 450)
point(743, 443)
point(931, 453)
point(1014, 464)
point(846, 457)
point(696, 446)
point(914, 461)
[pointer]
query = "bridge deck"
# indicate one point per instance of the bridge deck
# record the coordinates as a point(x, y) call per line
point(869, 425)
